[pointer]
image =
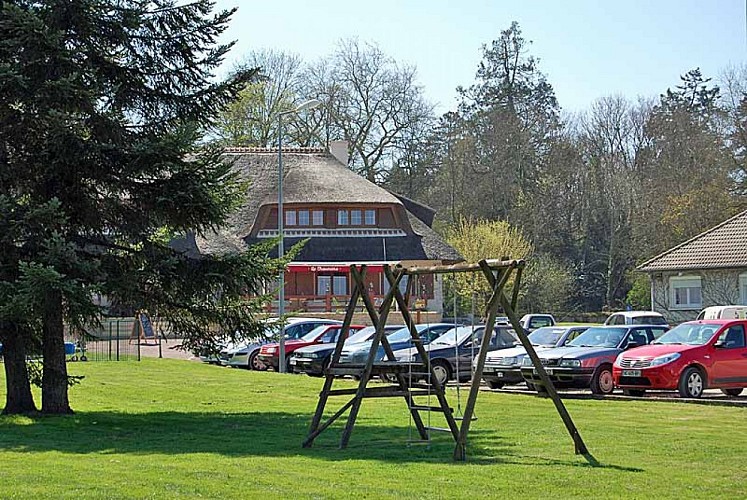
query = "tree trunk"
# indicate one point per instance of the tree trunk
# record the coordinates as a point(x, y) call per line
point(18, 397)
point(54, 377)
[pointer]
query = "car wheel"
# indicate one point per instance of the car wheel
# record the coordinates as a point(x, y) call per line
point(732, 392)
point(254, 362)
point(634, 392)
point(602, 381)
point(691, 383)
point(494, 384)
point(442, 371)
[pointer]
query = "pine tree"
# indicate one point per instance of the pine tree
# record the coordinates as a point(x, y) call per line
point(102, 104)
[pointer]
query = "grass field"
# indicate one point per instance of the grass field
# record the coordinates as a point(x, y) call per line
point(169, 428)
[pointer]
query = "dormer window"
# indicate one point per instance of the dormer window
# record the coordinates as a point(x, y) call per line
point(290, 217)
point(343, 218)
point(356, 217)
point(318, 217)
point(303, 217)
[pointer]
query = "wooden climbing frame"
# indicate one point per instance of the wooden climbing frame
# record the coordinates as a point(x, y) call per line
point(498, 274)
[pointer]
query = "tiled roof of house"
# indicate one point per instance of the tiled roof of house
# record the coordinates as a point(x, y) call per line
point(723, 246)
point(312, 175)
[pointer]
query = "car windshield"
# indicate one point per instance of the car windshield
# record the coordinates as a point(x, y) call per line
point(599, 337)
point(313, 334)
point(690, 334)
point(403, 334)
point(456, 335)
point(547, 336)
point(361, 335)
point(648, 320)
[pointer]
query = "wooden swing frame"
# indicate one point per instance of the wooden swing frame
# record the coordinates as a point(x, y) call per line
point(497, 273)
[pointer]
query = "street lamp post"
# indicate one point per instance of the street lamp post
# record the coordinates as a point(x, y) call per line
point(311, 104)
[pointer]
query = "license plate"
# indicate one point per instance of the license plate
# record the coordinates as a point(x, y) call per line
point(547, 370)
point(292, 361)
point(631, 373)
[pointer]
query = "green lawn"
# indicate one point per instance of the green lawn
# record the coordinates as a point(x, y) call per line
point(168, 428)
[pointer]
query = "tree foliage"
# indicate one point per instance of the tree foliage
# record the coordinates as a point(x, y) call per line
point(102, 108)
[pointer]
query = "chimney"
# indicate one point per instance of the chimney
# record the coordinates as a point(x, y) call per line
point(339, 149)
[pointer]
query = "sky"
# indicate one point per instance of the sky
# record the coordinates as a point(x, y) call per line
point(587, 49)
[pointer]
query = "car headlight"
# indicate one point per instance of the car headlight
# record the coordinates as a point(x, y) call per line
point(527, 362)
point(570, 363)
point(310, 355)
point(663, 360)
point(271, 350)
point(619, 359)
point(506, 361)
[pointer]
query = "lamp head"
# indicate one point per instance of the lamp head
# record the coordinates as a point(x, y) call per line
point(310, 104)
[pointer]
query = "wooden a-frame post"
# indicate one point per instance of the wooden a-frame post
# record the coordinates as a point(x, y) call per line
point(504, 271)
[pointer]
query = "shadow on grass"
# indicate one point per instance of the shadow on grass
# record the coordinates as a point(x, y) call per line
point(275, 434)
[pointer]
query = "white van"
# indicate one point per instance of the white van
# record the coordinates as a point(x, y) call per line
point(723, 312)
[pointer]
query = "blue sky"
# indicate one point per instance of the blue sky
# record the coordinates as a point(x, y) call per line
point(588, 49)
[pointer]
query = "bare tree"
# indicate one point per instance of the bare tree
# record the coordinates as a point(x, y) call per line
point(371, 101)
point(252, 119)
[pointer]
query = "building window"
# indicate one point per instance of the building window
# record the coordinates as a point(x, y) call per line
point(685, 292)
point(331, 285)
point(402, 285)
point(343, 218)
point(318, 217)
point(303, 217)
point(356, 218)
point(743, 289)
point(370, 219)
point(290, 217)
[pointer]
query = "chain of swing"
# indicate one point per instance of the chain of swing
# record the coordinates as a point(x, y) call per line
point(458, 415)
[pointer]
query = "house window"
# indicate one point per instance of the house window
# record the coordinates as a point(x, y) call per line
point(743, 289)
point(402, 285)
point(370, 219)
point(290, 217)
point(317, 217)
point(343, 218)
point(331, 285)
point(303, 217)
point(356, 218)
point(685, 292)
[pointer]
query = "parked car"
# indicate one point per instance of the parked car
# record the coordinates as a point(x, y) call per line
point(269, 354)
point(504, 367)
point(245, 354)
point(358, 353)
point(587, 360)
point(313, 359)
point(723, 312)
point(689, 358)
point(531, 322)
point(453, 352)
point(636, 318)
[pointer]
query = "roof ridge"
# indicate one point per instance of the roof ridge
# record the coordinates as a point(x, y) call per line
point(694, 238)
point(251, 149)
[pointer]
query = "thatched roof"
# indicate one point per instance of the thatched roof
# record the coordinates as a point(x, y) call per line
point(314, 176)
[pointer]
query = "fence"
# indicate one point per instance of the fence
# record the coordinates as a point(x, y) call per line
point(112, 341)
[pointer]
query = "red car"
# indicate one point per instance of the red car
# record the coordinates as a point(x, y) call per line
point(324, 334)
point(689, 358)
